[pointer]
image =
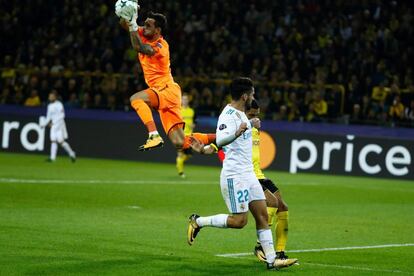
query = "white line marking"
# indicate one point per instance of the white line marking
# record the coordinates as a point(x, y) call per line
point(99, 181)
point(358, 268)
point(238, 255)
point(134, 207)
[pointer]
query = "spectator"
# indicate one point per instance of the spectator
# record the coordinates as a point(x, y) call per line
point(356, 116)
point(5, 97)
point(98, 102)
point(397, 109)
point(275, 103)
point(379, 94)
point(320, 107)
point(409, 112)
point(86, 101)
point(33, 100)
point(73, 101)
point(111, 102)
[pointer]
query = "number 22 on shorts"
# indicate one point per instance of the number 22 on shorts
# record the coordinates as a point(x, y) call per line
point(243, 196)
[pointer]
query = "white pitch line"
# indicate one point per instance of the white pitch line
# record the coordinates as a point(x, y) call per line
point(99, 181)
point(134, 207)
point(358, 268)
point(238, 255)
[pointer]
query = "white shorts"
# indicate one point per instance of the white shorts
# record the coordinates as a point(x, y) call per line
point(58, 133)
point(239, 190)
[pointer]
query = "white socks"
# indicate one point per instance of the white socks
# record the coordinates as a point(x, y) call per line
point(53, 151)
point(266, 240)
point(68, 149)
point(219, 221)
point(153, 133)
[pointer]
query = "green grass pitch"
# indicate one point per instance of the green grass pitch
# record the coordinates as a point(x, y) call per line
point(105, 217)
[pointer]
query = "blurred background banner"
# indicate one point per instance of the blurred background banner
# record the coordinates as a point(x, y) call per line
point(301, 147)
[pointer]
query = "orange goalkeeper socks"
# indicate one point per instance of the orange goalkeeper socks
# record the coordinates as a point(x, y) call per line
point(144, 112)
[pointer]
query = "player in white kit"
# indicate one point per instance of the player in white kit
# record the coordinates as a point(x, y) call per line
point(55, 118)
point(239, 186)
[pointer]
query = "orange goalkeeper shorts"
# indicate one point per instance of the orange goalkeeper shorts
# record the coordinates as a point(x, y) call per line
point(169, 106)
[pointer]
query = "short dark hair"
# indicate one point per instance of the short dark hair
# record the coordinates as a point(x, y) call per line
point(240, 86)
point(160, 20)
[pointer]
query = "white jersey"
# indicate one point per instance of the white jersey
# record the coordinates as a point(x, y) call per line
point(55, 114)
point(239, 152)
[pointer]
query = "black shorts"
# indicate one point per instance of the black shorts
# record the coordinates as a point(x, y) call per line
point(268, 184)
point(188, 151)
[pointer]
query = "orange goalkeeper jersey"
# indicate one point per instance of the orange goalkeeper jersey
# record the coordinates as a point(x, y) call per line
point(156, 68)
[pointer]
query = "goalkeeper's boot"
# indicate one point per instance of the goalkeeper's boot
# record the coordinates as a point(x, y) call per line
point(193, 229)
point(154, 141)
point(258, 251)
point(282, 260)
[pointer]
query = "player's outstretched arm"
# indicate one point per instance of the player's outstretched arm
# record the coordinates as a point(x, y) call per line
point(139, 46)
point(127, 10)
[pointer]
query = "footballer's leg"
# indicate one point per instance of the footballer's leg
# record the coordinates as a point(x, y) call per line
point(141, 102)
point(179, 163)
point(257, 206)
point(175, 133)
point(282, 226)
point(172, 120)
point(271, 203)
point(182, 157)
point(196, 222)
point(53, 151)
point(280, 220)
point(256, 193)
point(53, 144)
point(60, 136)
point(204, 138)
point(264, 234)
point(231, 187)
point(65, 145)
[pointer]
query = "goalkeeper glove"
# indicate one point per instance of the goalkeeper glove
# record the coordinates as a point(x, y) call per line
point(128, 10)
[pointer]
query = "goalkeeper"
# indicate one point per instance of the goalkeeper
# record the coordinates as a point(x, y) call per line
point(163, 94)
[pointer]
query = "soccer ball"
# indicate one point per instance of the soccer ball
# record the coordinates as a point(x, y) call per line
point(126, 8)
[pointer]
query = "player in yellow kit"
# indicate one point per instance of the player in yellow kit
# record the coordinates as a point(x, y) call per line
point(188, 115)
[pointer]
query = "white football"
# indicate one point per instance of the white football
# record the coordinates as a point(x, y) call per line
point(126, 8)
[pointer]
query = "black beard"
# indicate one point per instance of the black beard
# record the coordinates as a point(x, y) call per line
point(247, 106)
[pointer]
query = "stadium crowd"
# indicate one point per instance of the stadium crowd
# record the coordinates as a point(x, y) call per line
point(342, 60)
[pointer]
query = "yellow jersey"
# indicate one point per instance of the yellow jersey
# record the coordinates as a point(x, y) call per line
point(256, 153)
point(188, 117)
